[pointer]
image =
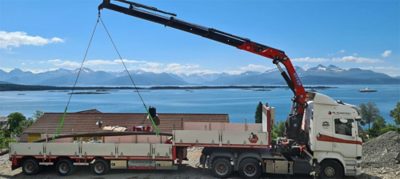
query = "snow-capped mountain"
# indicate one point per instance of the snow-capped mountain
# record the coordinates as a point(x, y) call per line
point(64, 77)
point(316, 75)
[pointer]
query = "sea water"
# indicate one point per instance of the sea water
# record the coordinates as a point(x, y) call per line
point(240, 104)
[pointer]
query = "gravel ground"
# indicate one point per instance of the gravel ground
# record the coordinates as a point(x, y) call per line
point(188, 171)
point(380, 154)
point(382, 151)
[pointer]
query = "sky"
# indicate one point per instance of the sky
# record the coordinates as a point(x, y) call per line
point(43, 35)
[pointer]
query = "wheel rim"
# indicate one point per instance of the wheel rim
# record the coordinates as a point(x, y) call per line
point(329, 171)
point(29, 167)
point(221, 169)
point(99, 168)
point(63, 168)
point(250, 170)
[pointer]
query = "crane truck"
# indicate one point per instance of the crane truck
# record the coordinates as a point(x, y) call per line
point(321, 134)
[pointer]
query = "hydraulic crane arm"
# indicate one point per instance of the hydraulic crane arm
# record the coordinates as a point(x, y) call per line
point(279, 57)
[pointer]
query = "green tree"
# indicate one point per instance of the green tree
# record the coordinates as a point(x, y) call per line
point(395, 113)
point(377, 127)
point(278, 130)
point(258, 115)
point(37, 115)
point(14, 121)
point(4, 140)
point(369, 113)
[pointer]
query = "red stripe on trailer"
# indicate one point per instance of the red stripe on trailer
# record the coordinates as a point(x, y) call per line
point(222, 146)
point(141, 168)
point(139, 158)
point(41, 157)
point(326, 138)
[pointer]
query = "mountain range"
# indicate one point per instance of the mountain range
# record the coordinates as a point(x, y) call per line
point(316, 75)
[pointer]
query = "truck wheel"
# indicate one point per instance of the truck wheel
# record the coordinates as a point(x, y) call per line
point(250, 168)
point(331, 169)
point(100, 167)
point(30, 166)
point(221, 168)
point(64, 167)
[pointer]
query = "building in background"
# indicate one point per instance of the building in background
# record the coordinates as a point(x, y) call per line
point(3, 123)
point(95, 121)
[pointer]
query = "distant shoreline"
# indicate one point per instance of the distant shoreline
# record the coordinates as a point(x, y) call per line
point(17, 87)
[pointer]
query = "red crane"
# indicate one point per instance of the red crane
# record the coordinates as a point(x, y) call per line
point(293, 123)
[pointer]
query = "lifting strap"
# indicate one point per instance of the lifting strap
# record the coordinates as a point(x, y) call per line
point(155, 127)
point(99, 20)
point(61, 124)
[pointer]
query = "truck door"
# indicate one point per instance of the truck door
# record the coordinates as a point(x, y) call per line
point(323, 130)
point(344, 136)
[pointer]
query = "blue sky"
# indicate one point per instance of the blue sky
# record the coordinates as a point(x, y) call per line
point(41, 35)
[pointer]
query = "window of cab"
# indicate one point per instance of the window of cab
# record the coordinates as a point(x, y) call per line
point(343, 126)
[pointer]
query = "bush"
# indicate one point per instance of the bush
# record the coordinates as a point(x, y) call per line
point(389, 128)
point(278, 130)
point(380, 127)
point(369, 113)
point(395, 113)
point(14, 121)
point(5, 141)
point(377, 127)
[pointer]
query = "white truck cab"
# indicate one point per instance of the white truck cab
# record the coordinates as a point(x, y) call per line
point(332, 127)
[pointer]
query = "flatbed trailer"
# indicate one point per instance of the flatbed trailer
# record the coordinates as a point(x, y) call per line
point(227, 147)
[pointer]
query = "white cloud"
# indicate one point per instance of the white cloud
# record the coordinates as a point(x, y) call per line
point(310, 59)
point(386, 53)
point(355, 59)
point(64, 64)
point(100, 62)
point(18, 38)
point(342, 59)
point(175, 68)
point(249, 67)
point(115, 65)
point(351, 58)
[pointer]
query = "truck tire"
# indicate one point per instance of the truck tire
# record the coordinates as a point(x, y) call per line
point(221, 168)
point(100, 167)
point(250, 168)
point(30, 166)
point(331, 169)
point(64, 167)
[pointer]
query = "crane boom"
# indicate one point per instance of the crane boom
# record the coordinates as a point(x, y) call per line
point(278, 56)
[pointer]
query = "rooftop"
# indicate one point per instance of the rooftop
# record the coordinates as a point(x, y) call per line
point(3, 119)
point(85, 121)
